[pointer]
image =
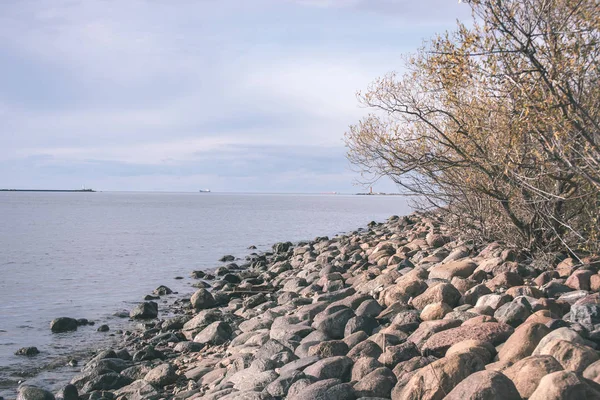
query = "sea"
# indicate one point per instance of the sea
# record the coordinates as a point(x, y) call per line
point(94, 254)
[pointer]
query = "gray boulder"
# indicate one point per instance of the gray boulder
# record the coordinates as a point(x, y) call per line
point(146, 310)
point(33, 393)
point(215, 334)
point(63, 324)
point(331, 368)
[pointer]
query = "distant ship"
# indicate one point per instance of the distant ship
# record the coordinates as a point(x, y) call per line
point(204, 190)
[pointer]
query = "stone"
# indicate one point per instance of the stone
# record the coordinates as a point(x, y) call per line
point(366, 348)
point(527, 373)
point(592, 372)
point(396, 354)
point(162, 375)
point(332, 367)
point(587, 315)
point(435, 311)
point(529, 291)
point(33, 393)
point(162, 290)
point(443, 292)
point(253, 379)
point(202, 299)
point(494, 301)
point(334, 325)
point(560, 385)
point(69, 392)
point(572, 356)
point(145, 310)
point(563, 333)
point(328, 389)
point(462, 269)
point(138, 390)
point(363, 367)
point(522, 342)
point(428, 328)
point(492, 332)
point(214, 334)
point(484, 350)
point(63, 324)
point(329, 348)
point(360, 323)
point(513, 314)
point(504, 280)
point(472, 295)
point(437, 379)
point(406, 321)
point(108, 381)
point(378, 383)
point(299, 364)
point(280, 386)
point(370, 308)
point(484, 385)
point(580, 279)
point(27, 351)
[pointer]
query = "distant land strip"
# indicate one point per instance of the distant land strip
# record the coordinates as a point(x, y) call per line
point(47, 190)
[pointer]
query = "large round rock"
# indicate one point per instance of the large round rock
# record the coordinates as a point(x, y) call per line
point(63, 324)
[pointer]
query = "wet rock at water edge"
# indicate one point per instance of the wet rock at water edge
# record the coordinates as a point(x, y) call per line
point(34, 393)
point(162, 290)
point(227, 258)
point(146, 310)
point(63, 324)
point(27, 351)
point(103, 328)
point(69, 392)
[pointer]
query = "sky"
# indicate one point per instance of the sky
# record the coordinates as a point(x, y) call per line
point(230, 95)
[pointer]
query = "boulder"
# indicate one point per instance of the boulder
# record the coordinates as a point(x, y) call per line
point(329, 348)
point(527, 373)
point(485, 385)
point(435, 311)
point(484, 350)
point(27, 351)
point(522, 342)
point(437, 379)
point(592, 372)
point(492, 332)
point(441, 293)
point(366, 348)
point(572, 356)
point(328, 389)
point(363, 367)
point(162, 375)
point(378, 383)
point(563, 333)
point(62, 324)
point(513, 314)
point(214, 334)
point(145, 310)
point(332, 367)
point(202, 299)
point(334, 325)
point(33, 393)
point(462, 269)
point(396, 354)
point(561, 385)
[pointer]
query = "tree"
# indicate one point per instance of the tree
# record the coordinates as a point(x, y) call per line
point(497, 123)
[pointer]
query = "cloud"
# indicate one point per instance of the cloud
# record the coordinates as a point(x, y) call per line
point(149, 88)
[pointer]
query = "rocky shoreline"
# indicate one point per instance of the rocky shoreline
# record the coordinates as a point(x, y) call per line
point(406, 309)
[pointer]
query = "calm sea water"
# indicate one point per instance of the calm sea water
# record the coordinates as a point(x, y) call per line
point(88, 255)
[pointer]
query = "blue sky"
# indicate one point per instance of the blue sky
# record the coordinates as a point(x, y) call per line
point(181, 95)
